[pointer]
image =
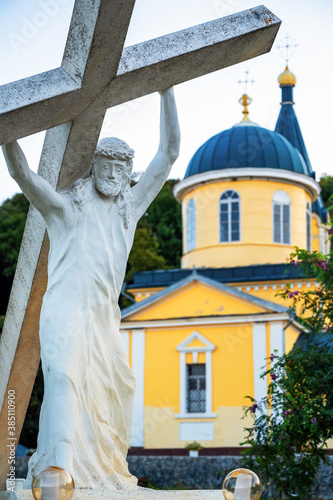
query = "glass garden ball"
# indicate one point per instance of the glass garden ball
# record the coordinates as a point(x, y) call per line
point(53, 483)
point(242, 484)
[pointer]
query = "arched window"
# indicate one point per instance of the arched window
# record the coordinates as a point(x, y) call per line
point(229, 216)
point(308, 227)
point(190, 225)
point(281, 218)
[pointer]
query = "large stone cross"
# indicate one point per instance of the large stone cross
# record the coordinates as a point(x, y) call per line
point(70, 102)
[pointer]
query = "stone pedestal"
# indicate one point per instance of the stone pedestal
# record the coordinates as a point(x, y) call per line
point(141, 494)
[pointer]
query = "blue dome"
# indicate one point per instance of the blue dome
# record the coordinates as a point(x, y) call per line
point(247, 146)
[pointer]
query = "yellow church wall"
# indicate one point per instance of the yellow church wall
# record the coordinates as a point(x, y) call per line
point(232, 364)
point(232, 376)
point(291, 336)
point(195, 300)
point(236, 254)
point(232, 381)
point(231, 359)
point(314, 234)
point(162, 429)
point(256, 245)
point(162, 367)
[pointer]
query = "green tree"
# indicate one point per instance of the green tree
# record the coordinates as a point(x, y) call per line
point(326, 184)
point(158, 238)
point(163, 217)
point(2, 320)
point(145, 254)
point(13, 214)
point(292, 424)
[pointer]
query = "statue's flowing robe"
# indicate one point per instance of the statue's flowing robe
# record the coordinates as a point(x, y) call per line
point(89, 386)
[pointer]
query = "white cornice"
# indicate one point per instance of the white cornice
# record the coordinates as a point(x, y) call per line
point(272, 174)
point(184, 346)
point(198, 321)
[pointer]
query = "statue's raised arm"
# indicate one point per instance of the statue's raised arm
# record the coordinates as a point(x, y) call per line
point(37, 190)
point(157, 172)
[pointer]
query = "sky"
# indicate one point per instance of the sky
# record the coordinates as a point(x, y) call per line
point(33, 35)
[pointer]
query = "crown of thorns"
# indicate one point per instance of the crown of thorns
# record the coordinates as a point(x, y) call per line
point(114, 147)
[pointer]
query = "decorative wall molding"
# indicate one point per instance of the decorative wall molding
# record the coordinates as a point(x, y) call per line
point(199, 321)
point(138, 367)
point(257, 288)
point(277, 339)
point(185, 186)
point(184, 348)
point(259, 357)
point(126, 339)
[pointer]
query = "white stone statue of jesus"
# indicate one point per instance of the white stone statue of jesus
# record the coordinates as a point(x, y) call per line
point(86, 413)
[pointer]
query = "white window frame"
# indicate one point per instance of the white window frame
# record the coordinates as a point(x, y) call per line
point(138, 367)
point(191, 225)
point(229, 202)
point(281, 199)
point(322, 237)
point(207, 348)
point(308, 228)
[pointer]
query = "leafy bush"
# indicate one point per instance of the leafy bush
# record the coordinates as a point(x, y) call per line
point(292, 424)
point(194, 446)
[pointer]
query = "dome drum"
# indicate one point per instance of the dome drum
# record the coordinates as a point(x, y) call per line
point(247, 193)
point(234, 174)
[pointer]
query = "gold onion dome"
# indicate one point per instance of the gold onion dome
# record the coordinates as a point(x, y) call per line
point(287, 78)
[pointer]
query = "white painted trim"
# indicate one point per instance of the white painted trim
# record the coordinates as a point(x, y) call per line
point(281, 205)
point(183, 348)
point(194, 237)
point(198, 321)
point(184, 345)
point(277, 339)
point(198, 431)
point(273, 174)
point(259, 356)
point(316, 216)
point(321, 239)
point(195, 415)
point(182, 381)
point(138, 367)
point(125, 338)
point(229, 202)
point(308, 226)
point(209, 382)
point(281, 197)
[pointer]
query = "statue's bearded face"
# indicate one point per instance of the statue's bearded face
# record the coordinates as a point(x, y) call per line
point(108, 175)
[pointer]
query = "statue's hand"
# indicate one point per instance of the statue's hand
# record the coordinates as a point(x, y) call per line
point(15, 159)
point(165, 92)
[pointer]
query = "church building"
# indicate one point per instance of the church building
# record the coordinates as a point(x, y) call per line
point(198, 337)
